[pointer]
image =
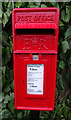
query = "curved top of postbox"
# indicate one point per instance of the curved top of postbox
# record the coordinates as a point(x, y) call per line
point(35, 18)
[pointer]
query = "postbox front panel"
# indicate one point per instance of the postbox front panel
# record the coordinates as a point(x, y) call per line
point(35, 38)
point(35, 92)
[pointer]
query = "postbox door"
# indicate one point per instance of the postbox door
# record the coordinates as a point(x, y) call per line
point(48, 64)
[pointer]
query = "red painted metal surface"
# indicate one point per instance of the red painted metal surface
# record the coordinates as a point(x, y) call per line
point(35, 33)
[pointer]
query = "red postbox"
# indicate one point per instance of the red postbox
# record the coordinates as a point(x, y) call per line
point(35, 41)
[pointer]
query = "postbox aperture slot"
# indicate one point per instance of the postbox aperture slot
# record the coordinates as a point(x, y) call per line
point(35, 31)
point(35, 39)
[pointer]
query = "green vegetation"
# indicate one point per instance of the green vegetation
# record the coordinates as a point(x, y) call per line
point(63, 92)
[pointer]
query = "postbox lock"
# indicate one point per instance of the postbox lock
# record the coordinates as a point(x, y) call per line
point(35, 57)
